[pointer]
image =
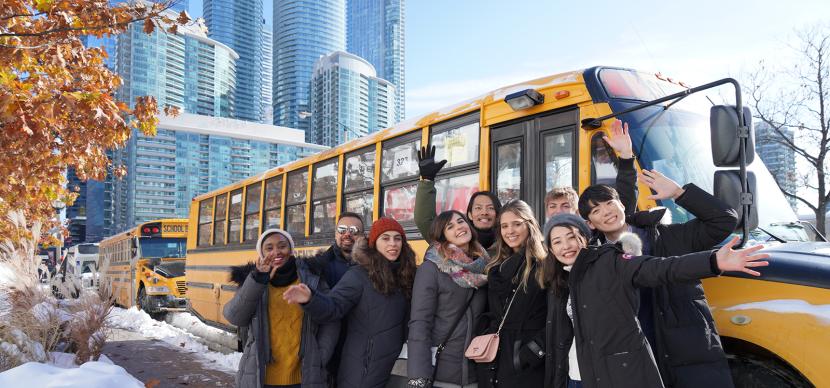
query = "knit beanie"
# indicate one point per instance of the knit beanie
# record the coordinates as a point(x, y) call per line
point(269, 232)
point(567, 219)
point(383, 225)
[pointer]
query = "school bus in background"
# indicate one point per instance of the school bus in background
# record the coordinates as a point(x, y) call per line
point(145, 266)
point(521, 141)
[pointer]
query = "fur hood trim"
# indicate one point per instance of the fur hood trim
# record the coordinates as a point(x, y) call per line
point(240, 272)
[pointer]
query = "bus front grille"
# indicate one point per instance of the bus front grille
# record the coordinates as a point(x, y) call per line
point(181, 286)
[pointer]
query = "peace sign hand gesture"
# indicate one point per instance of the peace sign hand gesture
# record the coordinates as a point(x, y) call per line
point(741, 260)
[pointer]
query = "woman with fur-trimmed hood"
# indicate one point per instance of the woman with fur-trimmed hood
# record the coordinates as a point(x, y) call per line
point(373, 299)
point(593, 337)
point(284, 347)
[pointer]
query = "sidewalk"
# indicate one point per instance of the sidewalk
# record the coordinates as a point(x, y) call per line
point(157, 362)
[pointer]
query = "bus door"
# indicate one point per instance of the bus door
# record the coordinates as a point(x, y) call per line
point(135, 250)
point(531, 156)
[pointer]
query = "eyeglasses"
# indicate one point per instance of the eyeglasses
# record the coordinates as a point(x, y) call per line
point(353, 230)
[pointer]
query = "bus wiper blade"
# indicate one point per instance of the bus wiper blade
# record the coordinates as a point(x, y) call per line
point(776, 238)
point(675, 101)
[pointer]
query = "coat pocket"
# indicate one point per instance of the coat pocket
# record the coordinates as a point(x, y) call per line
point(695, 343)
point(635, 368)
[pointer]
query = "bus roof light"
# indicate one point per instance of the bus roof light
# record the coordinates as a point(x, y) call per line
point(145, 230)
point(155, 229)
point(562, 94)
point(524, 99)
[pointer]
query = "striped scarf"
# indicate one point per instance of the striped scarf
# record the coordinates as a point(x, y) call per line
point(464, 271)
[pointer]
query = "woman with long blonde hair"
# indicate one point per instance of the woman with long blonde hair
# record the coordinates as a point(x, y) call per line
point(516, 294)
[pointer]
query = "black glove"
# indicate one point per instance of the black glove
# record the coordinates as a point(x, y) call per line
point(529, 355)
point(426, 163)
point(422, 382)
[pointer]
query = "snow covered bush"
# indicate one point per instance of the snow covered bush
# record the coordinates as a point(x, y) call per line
point(33, 322)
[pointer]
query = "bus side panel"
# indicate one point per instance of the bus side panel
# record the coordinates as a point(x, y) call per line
point(764, 322)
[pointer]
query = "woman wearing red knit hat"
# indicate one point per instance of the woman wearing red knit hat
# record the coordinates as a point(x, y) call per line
point(373, 297)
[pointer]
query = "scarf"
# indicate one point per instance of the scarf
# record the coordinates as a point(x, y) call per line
point(286, 274)
point(486, 237)
point(464, 271)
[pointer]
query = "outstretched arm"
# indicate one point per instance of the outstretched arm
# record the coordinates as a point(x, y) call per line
point(626, 181)
point(328, 307)
point(425, 196)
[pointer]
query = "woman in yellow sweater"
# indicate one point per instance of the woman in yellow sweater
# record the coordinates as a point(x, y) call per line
point(277, 331)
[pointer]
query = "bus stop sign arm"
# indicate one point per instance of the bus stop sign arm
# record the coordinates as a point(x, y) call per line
point(743, 135)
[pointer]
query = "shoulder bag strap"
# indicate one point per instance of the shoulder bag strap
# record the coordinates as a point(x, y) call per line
point(452, 329)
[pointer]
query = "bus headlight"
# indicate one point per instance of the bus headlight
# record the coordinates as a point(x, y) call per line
point(158, 290)
point(154, 280)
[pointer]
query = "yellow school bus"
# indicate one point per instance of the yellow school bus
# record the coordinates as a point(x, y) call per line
point(520, 141)
point(145, 266)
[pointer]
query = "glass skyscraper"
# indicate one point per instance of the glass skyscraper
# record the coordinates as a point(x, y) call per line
point(238, 24)
point(348, 100)
point(304, 30)
point(187, 70)
point(191, 155)
point(267, 75)
point(376, 33)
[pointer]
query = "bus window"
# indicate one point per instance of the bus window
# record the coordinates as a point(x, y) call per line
point(323, 195)
point(360, 203)
point(252, 196)
point(235, 216)
point(273, 199)
point(399, 202)
point(295, 202)
point(358, 184)
point(509, 171)
point(400, 161)
point(603, 162)
point(219, 220)
point(455, 191)
point(458, 146)
point(205, 218)
point(558, 156)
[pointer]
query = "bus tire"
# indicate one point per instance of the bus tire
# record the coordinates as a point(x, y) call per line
point(144, 305)
point(750, 372)
point(242, 337)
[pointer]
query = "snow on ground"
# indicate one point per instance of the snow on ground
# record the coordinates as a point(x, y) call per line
point(791, 306)
point(140, 322)
point(193, 325)
point(62, 372)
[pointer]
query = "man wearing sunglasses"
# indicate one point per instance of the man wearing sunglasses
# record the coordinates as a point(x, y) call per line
point(333, 263)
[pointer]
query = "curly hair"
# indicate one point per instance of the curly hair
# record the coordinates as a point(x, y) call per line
point(383, 279)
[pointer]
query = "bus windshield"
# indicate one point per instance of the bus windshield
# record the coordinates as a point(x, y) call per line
point(163, 247)
point(676, 142)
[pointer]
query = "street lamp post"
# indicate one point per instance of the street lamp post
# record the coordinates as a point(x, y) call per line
point(58, 205)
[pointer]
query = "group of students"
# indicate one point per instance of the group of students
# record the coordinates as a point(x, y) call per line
point(600, 296)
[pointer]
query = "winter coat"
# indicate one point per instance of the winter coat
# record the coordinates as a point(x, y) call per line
point(377, 327)
point(249, 307)
point(517, 363)
point(331, 264)
point(688, 347)
point(437, 302)
point(612, 350)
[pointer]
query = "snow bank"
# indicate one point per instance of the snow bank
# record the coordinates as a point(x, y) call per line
point(140, 322)
point(789, 306)
point(93, 374)
point(193, 325)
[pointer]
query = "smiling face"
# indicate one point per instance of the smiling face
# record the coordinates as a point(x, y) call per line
point(607, 216)
point(277, 247)
point(559, 205)
point(513, 230)
point(483, 212)
point(389, 245)
point(346, 232)
point(457, 232)
point(565, 244)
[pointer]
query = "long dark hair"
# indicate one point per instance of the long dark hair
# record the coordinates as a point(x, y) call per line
point(493, 197)
point(436, 233)
point(383, 279)
point(558, 277)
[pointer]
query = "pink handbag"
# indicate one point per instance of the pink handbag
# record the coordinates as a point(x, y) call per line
point(483, 348)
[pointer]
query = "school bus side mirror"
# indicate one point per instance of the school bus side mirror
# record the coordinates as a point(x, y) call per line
point(726, 134)
point(727, 187)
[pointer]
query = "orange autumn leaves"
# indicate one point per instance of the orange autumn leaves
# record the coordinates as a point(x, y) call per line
point(57, 104)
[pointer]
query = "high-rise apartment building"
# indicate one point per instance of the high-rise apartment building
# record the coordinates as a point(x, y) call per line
point(375, 32)
point(348, 100)
point(304, 30)
point(187, 69)
point(780, 159)
point(267, 75)
point(191, 155)
point(238, 24)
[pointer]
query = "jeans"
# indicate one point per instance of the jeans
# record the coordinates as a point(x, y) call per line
point(574, 384)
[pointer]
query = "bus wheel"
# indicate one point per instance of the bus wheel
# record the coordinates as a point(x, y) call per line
point(750, 372)
point(144, 305)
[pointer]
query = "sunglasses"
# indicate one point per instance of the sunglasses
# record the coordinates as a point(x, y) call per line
point(342, 229)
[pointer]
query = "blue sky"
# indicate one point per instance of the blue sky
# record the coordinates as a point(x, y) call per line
point(461, 48)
